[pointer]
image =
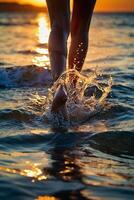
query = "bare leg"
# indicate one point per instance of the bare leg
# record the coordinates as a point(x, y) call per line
point(81, 18)
point(59, 12)
point(60, 22)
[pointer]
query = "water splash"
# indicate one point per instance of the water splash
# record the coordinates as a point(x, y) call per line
point(84, 101)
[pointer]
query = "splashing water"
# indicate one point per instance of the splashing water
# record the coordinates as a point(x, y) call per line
point(84, 101)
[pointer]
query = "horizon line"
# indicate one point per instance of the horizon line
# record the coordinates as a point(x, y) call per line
point(95, 11)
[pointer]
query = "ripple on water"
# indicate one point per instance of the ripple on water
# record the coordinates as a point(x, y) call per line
point(93, 164)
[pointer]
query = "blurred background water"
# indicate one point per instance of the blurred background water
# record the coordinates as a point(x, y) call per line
point(91, 160)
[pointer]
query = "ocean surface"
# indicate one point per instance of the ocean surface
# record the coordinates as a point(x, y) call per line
point(91, 159)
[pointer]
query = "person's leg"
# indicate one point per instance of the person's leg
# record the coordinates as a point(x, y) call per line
point(59, 13)
point(81, 18)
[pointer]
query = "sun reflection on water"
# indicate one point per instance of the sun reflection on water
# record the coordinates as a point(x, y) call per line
point(41, 50)
point(33, 172)
point(46, 198)
point(32, 168)
point(42, 60)
point(43, 29)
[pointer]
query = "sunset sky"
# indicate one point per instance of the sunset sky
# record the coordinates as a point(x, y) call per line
point(102, 5)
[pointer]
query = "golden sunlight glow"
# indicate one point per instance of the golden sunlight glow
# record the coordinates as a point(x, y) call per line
point(39, 131)
point(41, 61)
point(43, 32)
point(38, 2)
point(46, 198)
point(33, 172)
point(114, 5)
point(27, 168)
point(101, 5)
point(41, 50)
point(33, 2)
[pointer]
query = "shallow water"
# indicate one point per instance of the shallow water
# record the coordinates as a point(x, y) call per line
point(93, 159)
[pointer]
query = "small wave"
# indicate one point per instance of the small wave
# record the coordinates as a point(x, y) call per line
point(25, 139)
point(44, 45)
point(118, 109)
point(28, 76)
point(114, 142)
point(108, 59)
point(122, 89)
point(126, 76)
point(3, 63)
point(131, 35)
point(27, 52)
point(33, 52)
point(18, 114)
point(125, 24)
point(16, 24)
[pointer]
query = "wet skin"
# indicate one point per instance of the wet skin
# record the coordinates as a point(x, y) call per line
point(61, 27)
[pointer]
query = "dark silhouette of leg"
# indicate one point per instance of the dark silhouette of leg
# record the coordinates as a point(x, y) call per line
point(59, 12)
point(81, 19)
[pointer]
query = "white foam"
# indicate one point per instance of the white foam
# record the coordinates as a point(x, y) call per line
point(80, 107)
point(24, 76)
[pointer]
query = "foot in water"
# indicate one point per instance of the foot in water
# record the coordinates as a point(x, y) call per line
point(59, 102)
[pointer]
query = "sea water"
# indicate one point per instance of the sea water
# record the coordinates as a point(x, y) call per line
point(89, 159)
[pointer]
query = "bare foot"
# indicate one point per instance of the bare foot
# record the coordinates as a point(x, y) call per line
point(59, 102)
